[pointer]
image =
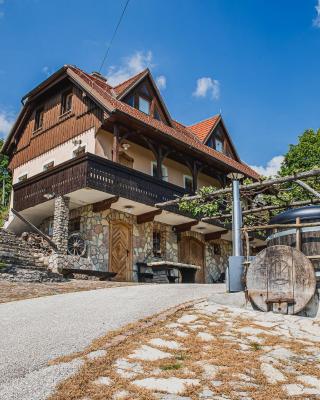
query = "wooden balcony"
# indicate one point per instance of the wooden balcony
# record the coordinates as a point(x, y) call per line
point(91, 171)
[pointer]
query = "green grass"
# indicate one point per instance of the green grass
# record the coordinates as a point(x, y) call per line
point(255, 346)
point(170, 367)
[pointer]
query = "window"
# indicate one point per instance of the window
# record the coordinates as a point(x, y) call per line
point(74, 225)
point(156, 114)
point(188, 183)
point(219, 145)
point(38, 119)
point(156, 243)
point(79, 151)
point(66, 102)
point(23, 178)
point(164, 171)
point(48, 166)
point(144, 105)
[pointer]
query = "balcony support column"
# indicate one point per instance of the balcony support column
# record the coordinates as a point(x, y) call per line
point(116, 143)
point(61, 223)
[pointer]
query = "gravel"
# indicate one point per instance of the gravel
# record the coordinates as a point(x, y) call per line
point(36, 331)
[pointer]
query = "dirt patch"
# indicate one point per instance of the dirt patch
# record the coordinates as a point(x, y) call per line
point(12, 291)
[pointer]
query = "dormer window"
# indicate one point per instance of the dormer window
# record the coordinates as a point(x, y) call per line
point(219, 145)
point(38, 119)
point(66, 102)
point(156, 114)
point(144, 105)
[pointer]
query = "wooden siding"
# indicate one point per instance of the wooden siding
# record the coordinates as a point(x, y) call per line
point(56, 128)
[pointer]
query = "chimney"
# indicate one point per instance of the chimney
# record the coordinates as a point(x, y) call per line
point(99, 76)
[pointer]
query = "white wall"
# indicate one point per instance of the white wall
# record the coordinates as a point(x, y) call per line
point(59, 155)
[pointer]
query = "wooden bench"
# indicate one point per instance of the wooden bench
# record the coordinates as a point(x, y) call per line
point(102, 275)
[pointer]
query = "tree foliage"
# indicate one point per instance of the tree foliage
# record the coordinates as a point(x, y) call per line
point(6, 183)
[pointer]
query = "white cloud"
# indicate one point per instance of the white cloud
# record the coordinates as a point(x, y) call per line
point(130, 66)
point(46, 70)
point(272, 167)
point(208, 86)
point(316, 21)
point(161, 82)
point(6, 122)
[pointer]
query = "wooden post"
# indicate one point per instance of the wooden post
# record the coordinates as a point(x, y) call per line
point(298, 234)
point(115, 145)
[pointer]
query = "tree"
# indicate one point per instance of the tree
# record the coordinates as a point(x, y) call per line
point(6, 183)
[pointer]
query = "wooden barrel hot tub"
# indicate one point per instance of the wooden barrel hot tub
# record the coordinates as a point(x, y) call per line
point(309, 236)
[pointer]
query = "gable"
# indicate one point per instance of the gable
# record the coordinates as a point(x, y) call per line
point(220, 140)
point(145, 97)
point(58, 124)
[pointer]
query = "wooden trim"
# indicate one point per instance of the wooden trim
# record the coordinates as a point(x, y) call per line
point(214, 235)
point(104, 204)
point(184, 227)
point(148, 217)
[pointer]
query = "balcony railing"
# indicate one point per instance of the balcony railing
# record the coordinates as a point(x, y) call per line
point(91, 171)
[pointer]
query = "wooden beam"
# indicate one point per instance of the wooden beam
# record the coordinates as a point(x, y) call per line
point(308, 188)
point(184, 227)
point(35, 229)
point(264, 208)
point(104, 204)
point(116, 143)
point(256, 185)
point(148, 216)
point(214, 235)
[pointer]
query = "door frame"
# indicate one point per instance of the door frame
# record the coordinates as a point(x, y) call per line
point(129, 271)
point(200, 274)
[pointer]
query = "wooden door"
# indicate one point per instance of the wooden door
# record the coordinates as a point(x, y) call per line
point(192, 252)
point(120, 250)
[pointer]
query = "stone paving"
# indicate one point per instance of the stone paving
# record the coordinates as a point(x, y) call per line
point(207, 351)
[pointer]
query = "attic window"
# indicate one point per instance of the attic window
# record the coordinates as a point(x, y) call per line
point(130, 101)
point(66, 102)
point(38, 119)
point(144, 105)
point(48, 166)
point(219, 145)
point(23, 178)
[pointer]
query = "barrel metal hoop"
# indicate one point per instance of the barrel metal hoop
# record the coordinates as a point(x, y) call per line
point(293, 231)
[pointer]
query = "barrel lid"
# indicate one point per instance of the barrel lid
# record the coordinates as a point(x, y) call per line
point(289, 216)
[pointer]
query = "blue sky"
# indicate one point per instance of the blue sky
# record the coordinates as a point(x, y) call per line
point(256, 60)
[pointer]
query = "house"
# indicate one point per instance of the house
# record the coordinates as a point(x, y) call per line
point(90, 158)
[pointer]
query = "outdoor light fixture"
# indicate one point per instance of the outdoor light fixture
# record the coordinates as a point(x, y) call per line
point(125, 146)
point(49, 196)
point(77, 142)
point(235, 176)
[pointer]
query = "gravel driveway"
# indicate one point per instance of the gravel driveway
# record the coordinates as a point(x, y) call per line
point(38, 330)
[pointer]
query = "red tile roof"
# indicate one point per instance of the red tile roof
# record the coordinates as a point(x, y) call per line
point(177, 131)
point(123, 86)
point(203, 128)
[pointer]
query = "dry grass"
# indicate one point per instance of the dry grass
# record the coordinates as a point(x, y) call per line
point(223, 351)
point(13, 291)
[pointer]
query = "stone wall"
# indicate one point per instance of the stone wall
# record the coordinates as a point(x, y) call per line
point(95, 229)
point(60, 223)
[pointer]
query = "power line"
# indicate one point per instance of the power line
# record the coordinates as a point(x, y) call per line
point(114, 35)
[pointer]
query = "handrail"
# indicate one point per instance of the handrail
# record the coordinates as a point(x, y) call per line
point(34, 228)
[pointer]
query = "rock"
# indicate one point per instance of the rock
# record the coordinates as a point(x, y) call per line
point(272, 374)
point(310, 380)
point(121, 394)
point(148, 353)
point(251, 331)
point(206, 394)
point(210, 370)
point(205, 336)
point(103, 380)
point(96, 354)
point(170, 344)
point(170, 385)
point(187, 319)
point(294, 389)
point(128, 369)
point(181, 334)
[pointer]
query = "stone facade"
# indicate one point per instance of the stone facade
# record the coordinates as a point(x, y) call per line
point(95, 229)
point(60, 223)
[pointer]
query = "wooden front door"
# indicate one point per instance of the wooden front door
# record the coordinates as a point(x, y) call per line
point(120, 250)
point(191, 251)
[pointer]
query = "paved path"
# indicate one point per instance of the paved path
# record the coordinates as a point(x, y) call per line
point(38, 330)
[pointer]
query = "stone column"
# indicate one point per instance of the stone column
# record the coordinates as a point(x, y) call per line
point(61, 223)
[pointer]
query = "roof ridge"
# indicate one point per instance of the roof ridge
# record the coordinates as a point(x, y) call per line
point(204, 120)
point(132, 77)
